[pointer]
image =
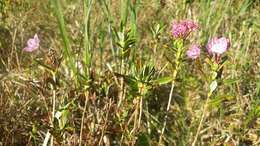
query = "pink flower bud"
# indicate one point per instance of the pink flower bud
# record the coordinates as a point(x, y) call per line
point(193, 52)
point(32, 44)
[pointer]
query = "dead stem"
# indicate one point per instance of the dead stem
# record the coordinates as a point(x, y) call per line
point(82, 119)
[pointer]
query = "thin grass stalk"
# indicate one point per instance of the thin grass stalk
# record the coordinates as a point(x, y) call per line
point(48, 134)
point(46, 139)
point(53, 113)
point(106, 10)
point(101, 49)
point(148, 118)
point(133, 25)
point(67, 47)
point(166, 116)
point(221, 15)
point(135, 114)
point(124, 5)
point(140, 111)
point(87, 44)
point(83, 119)
point(202, 119)
point(206, 16)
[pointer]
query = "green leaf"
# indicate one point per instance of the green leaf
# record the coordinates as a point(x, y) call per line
point(87, 43)
point(230, 81)
point(67, 51)
point(163, 80)
point(213, 86)
point(178, 43)
point(64, 118)
point(124, 5)
point(215, 66)
point(216, 101)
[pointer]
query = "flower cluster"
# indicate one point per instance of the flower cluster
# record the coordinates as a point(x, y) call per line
point(183, 28)
point(218, 45)
point(215, 46)
point(32, 44)
point(193, 52)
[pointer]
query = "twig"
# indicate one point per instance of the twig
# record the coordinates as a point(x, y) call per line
point(167, 110)
point(105, 124)
point(140, 112)
point(201, 120)
point(82, 119)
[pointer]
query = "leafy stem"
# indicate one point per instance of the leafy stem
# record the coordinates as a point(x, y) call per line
point(178, 57)
point(213, 86)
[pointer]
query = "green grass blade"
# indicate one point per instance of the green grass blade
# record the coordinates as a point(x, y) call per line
point(67, 48)
point(87, 43)
point(124, 11)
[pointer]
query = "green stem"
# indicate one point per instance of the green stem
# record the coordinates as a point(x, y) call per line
point(213, 77)
point(202, 118)
point(179, 54)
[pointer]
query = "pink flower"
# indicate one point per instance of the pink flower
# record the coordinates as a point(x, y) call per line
point(32, 44)
point(218, 45)
point(183, 28)
point(192, 26)
point(193, 52)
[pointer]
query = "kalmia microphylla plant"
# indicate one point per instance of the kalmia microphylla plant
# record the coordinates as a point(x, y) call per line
point(216, 47)
point(180, 32)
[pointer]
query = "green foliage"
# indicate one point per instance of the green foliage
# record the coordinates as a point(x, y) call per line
point(125, 43)
point(157, 30)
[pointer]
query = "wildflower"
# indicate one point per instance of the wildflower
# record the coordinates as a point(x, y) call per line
point(32, 44)
point(183, 28)
point(218, 45)
point(192, 26)
point(193, 52)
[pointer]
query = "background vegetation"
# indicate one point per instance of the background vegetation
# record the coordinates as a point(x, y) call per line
point(99, 60)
